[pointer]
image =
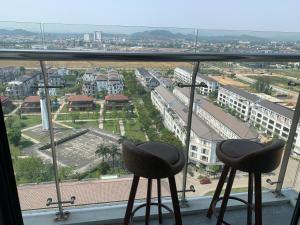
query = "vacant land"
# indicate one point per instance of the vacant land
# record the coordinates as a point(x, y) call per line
point(228, 81)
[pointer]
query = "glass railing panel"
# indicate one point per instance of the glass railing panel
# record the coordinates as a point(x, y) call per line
point(118, 38)
point(252, 101)
point(247, 41)
point(20, 35)
point(89, 132)
point(22, 111)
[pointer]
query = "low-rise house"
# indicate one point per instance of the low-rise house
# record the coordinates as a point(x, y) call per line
point(31, 104)
point(146, 78)
point(80, 103)
point(163, 81)
point(175, 115)
point(117, 101)
point(14, 89)
point(89, 88)
point(115, 83)
point(9, 73)
point(184, 75)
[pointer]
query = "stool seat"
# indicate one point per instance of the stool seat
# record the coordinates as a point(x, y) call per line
point(153, 159)
point(250, 156)
point(167, 152)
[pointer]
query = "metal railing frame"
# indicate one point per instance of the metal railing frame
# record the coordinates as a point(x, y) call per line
point(196, 58)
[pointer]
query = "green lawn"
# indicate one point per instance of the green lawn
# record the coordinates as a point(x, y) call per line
point(288, 72)
point(133, 130)
point(82, 124)
point(109, 114)
point(112, 126)
point(29, 121)
point(82, 116)
point(279, 81)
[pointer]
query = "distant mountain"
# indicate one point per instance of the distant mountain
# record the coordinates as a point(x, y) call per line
point(233, 38)
point(16, 32)
point(160, 35)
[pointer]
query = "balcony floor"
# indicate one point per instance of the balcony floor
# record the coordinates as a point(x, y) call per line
point(272, 215)
point(275, 211)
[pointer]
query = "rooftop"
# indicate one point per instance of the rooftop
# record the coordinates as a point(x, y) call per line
point(117, 97)
point(32, 99)
point(80, 98)
point(202, 76)
point(241, 93)
point(235, 125)
point(200, 128)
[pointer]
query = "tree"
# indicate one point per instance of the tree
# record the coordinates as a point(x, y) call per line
point(102, 151)
point(263, 85)
point(104, 168)
point(114, 152)
point(213, 95)
point(33, 170)
point(74, 116)
point(14, 135)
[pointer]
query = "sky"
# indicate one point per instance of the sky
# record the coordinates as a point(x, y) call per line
point(261, 15)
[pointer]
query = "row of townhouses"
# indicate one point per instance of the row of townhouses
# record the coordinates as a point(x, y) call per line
point(152, 79)
point(184, 75)
point(270, 118)
point(175, 114)
point(95, 81)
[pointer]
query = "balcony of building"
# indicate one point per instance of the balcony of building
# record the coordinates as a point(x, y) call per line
point(68, 145)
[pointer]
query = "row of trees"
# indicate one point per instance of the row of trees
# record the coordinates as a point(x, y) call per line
point(148, 116)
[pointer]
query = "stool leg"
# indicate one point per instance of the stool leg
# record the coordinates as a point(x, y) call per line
point(175, 201)
point(134, 186)
point(226, 196)
point(258, 204)
point(218, 190)
point(148, 203)
point(250, 197)
point(159, 201)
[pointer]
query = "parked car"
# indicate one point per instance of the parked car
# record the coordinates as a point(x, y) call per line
point(205, 180)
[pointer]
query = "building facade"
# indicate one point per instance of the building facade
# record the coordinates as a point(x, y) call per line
point(184, 75)
point(174, 114)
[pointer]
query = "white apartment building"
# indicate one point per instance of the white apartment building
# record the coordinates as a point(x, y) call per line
point(270, 118)
point(237, 99)
point(274, 120)
point(223, 123)
point(175, 114)
point(184, 75)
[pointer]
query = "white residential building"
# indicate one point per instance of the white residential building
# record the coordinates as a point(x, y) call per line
point(94, 81)
point(274, 120)
point(184, 75)
point(223, 123)
point(237, 99)
point(175, 113)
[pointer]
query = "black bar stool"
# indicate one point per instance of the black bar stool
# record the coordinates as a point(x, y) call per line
point(153, 160)
point(247, 156)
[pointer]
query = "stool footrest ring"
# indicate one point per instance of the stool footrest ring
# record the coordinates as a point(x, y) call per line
point(233, 198)
point(152, 203)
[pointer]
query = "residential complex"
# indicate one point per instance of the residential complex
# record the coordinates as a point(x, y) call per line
point(152, 79)
point(94, 81)
point(270, 118)
point(175, 114)
point(184, 75)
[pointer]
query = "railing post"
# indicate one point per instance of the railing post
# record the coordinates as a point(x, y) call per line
point(60, 215)
point(288, 148)
point(183, 202)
